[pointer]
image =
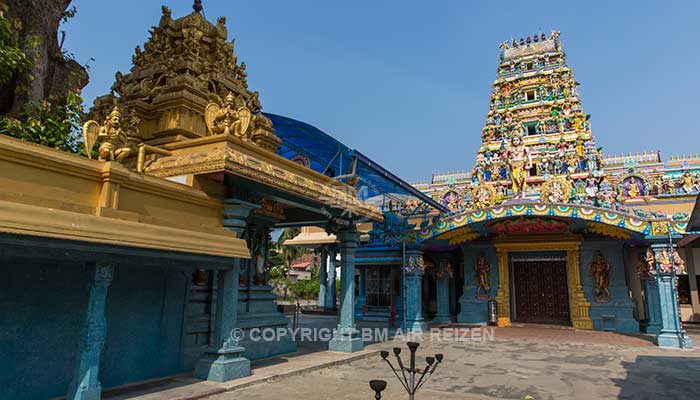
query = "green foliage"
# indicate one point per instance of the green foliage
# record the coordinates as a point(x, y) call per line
point(305, 289)
point(13, 61)
point(54, 123)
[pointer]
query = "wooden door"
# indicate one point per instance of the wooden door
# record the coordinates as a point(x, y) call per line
point(541, 291)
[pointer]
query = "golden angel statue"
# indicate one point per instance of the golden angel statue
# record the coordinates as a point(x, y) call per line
point(228, 118)
point(114, 144)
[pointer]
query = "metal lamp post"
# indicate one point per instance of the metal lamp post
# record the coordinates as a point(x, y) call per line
point(408, 374)
point(377, 385)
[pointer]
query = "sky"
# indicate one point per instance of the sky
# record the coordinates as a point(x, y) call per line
point(407, 83)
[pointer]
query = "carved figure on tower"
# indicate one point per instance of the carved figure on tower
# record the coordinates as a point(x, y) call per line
point(519, 162)
point(228, 118)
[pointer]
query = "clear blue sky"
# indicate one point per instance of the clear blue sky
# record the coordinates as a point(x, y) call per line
point(408, 82)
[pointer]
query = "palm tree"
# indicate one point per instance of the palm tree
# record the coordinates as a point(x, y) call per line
point(290, 253)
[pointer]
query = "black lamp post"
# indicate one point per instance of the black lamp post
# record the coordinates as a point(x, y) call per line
point(408, 374)
point(377, 385)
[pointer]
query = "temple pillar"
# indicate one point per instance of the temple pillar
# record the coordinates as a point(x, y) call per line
point(399, 299)
point(361, 301)
point(579, 307)
point(503, 293)
point(347, 338)
point(331, 293)
point(671, 333)
point(85, 384)
point(652, 306)
point(442, 282)
point(414, 270)
point(323, 276)
point(693, 283)
point(224, 360)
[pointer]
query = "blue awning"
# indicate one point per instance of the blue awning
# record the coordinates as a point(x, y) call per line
point(330, 157)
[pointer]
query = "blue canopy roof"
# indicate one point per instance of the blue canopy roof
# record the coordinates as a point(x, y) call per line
point(331, 157)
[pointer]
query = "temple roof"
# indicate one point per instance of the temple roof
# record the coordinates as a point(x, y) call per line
point(321, 152)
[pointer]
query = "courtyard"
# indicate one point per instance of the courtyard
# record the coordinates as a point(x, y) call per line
point(540, 361)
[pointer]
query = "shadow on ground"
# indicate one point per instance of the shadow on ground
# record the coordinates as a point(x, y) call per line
point(660, 377)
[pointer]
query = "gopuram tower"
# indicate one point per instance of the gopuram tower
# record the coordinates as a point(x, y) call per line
point(536, 142)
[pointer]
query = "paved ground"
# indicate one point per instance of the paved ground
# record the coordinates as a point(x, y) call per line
point(545, 363)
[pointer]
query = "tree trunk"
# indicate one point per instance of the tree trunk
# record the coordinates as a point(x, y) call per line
point(50, 75)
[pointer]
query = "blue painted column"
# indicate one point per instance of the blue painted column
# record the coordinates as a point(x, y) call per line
point(323, 277)
point(398, 300)
point(86, 384)
point(224, 361)
point(671, 333)
point(652, 306)
point(414, 270)
point(442, 279)
point(331, 293)
point(347, 338)
point(362, 295)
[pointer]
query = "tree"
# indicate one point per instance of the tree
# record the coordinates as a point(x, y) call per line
point(39, 84)
point(50, 72)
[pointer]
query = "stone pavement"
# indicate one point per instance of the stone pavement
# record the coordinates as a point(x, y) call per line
point(543, 362)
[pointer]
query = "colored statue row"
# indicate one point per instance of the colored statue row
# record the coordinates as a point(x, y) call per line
point(661, 261)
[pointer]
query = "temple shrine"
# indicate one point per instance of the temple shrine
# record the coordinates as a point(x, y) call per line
point(149, 257)
point(545, 225)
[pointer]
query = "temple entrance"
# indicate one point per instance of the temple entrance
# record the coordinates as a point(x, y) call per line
point(541, 291)
point(378, 289)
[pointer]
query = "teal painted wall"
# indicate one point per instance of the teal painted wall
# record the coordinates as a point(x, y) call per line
point(41, 311)
point(42, 306)
point(144, 312)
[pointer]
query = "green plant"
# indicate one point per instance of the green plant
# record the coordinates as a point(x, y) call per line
point(53, 122)
point(305, 289)
point(13, 61)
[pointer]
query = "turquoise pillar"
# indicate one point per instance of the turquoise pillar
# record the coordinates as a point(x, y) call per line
point(86, 384)
point(331, 293)
point(398, 300)
point(347, 338)
point(652, 306)
point(323, 277)
point(414, 270)
point(224, 360)
point(442, 279)
point(361, 301)
point(671, 333)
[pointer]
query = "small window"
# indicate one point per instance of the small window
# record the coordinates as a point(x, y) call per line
point(529, 65)
point(531, 130)
point(530, 95)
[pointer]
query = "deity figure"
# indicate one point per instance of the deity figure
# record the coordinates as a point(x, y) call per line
point(688, 185)
point(483, 273)
point(678, 263)
point(632, 189)
point(591, 186)
point(519, 162)
point(228, 118)
point(115, 142)
point(600, 271)
point(663, 259)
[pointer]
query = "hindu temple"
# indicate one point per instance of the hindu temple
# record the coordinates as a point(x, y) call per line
point(545, 226)
point(141, 259)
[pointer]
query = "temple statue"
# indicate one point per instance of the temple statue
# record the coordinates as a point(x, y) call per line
point(227, 118)
point(519, 162)
point(600, 271)
point(483, 274)
point(112, 134)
